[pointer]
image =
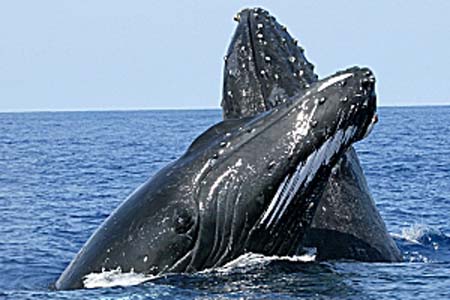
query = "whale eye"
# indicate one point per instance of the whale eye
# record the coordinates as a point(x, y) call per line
point(183, 222)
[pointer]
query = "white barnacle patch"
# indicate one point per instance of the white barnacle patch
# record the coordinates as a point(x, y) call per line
point(251, 169)
point(302, 125)
point(333, 80)
point(304, 174)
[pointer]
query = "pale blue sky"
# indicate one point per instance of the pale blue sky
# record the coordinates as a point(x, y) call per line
point(70, 55)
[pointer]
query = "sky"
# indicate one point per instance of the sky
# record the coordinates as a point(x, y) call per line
point(106, 54)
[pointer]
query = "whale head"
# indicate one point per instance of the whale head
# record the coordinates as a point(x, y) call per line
point(243, 185)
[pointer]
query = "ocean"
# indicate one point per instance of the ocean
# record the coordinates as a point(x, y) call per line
point(62, 174)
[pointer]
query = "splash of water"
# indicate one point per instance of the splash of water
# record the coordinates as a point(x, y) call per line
point(112, 278)
point(250, 260)
point(115, 278)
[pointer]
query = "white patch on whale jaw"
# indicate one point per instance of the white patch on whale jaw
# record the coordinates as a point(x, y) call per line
point(304, 174)
point(333, 80)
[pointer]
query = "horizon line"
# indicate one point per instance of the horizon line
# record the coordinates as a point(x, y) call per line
point(119, 109)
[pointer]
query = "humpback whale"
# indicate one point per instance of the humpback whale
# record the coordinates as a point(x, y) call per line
point(245, 185)
point(264, 67)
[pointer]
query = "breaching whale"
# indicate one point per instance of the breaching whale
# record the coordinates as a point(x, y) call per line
point(264, 67)
point(245, 185)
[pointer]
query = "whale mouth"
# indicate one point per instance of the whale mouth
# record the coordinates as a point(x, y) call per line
point(304, 174)
point(371, 125)
point(353, 125)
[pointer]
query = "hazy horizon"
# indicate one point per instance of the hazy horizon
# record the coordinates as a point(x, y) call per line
point(130, 109)
point(145, 55)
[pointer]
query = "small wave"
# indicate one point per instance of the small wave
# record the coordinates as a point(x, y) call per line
point(423, 235)
point(249, 260)
point(411, 234)
point(116, 277)
point(422, 243)
point(113, 278)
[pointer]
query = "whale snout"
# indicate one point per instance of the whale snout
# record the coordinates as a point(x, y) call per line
point(363, 102)
point(346, 100)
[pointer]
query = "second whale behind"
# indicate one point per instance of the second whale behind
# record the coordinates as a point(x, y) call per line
point(265, 67)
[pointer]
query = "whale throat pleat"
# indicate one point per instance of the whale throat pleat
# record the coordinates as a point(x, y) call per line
point(303, 175)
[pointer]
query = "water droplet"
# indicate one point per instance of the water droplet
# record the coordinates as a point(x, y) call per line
point(283, 28)
point(345, 99)
point(244, 93)
point(225, 58)
point(283, 40)
point(263, 72)
point(237, 17)
point(322, 100)
point(215, 156)
point(260, 25)
point(223, 144)
point(145, 258)
point(292, 59)
point(314, 123)
point(276, 76)
point(260, 36)
point(230, 94)
point(271, 164)
point(267, 58)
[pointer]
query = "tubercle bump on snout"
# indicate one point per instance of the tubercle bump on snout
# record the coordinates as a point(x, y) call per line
point(349, 98)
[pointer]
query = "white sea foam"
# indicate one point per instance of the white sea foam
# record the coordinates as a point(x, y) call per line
point(412, 234)
point(115, 277)
point(249, 260)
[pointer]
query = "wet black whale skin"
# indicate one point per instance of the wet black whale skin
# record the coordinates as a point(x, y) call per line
point(264, 67)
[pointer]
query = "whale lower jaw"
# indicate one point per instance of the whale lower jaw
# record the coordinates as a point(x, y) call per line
point(304, 175)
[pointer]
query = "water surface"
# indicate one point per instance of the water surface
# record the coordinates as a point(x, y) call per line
point(63, 173)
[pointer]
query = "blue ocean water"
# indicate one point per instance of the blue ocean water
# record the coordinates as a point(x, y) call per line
point(61, 175)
